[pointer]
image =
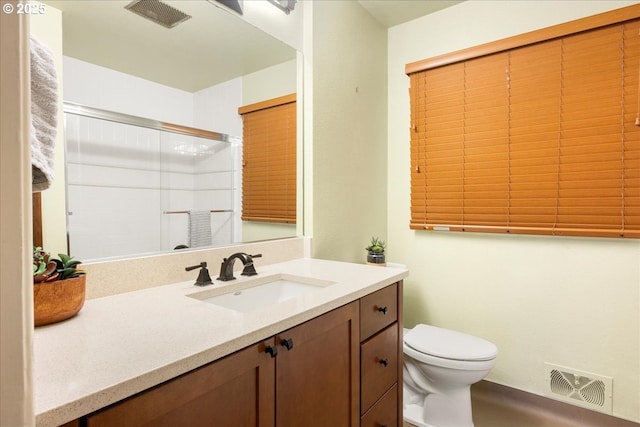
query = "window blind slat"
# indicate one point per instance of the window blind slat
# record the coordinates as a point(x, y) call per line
point(591, 110)
point(539, 139)
point(269, 162)
point(486, 115)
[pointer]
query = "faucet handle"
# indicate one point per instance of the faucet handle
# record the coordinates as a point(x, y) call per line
point(203, 277)
point(254, 256)
point(249, 269)
point(193, 267)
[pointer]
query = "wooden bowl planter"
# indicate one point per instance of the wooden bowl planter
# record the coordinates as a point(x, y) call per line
point(58, 300)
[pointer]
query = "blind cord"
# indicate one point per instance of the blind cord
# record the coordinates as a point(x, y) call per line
point(638, 106)
point(558, 154)
point(509, 150)
point(424, 148)
point(622, 135)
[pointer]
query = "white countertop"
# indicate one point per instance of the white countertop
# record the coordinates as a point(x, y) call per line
point(123, 344)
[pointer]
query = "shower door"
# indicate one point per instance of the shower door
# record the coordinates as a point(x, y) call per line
point(130, 188)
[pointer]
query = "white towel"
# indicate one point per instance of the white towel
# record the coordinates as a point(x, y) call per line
point(44, 115)
point(199, 228)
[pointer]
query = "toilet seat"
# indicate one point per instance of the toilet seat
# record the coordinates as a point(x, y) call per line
point(447, 344)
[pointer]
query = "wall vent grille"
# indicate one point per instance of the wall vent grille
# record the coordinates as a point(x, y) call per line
point(579, 388)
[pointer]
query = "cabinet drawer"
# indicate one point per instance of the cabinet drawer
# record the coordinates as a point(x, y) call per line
point(378, 366)
point(378, 310)
point(385, 412)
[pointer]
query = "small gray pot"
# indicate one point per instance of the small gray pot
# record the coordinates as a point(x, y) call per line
point(376, 258)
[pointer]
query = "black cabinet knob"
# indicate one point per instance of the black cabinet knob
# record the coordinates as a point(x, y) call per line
point(272, 351)
point(384, 362)
point(288, 344)
point(383, 310)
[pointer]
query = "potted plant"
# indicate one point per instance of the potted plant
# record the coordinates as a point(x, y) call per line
point(58, 287)
point(375, 251)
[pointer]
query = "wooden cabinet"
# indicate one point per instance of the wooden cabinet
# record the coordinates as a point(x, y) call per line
point(317, 380)
point(341, 369)
point(306, 376)
point(237, 390)
point(381, 358)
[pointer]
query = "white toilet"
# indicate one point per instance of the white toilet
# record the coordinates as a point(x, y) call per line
point(439, 367)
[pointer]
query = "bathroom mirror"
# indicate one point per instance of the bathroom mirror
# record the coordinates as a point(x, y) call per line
point(212, 49)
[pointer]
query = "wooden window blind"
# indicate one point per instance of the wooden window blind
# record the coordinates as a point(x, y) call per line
point(269, 160)
point(537, 139)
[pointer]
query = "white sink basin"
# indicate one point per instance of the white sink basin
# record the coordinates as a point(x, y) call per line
point(261, 292)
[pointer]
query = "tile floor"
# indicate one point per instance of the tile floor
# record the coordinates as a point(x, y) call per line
point(499, 406)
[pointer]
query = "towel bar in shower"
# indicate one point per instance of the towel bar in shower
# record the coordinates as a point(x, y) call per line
point(186, 212)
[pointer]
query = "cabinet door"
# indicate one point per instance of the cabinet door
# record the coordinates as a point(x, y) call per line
point(378, 365)
point(236, 391)
point(318, 373)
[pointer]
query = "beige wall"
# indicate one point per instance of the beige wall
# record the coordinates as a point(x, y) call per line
point(16, 307)
point(574, 302)
point(349, 130)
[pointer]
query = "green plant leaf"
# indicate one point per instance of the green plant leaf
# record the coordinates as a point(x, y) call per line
point(72, 263)
point(38, 269)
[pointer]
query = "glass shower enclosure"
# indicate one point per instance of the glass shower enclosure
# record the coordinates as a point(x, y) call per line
point(133, 184)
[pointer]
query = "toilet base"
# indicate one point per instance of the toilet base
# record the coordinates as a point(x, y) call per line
point(413, 414)
point(437, 410)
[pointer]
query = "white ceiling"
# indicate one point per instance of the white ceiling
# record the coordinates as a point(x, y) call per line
point(395, 12)
point(212, 47)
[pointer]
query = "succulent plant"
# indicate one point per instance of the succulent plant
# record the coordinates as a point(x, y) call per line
point(47, 269)
point(376, 246)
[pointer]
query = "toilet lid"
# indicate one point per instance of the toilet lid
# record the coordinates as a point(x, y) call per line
point(449, 344)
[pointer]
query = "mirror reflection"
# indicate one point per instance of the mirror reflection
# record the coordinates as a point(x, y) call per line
point(132, 189)
point(137, 187)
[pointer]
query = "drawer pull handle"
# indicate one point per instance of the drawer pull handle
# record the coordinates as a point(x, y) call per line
point(384, 362)
point(383, 310)
point(382, 425)
point(272, 351)
point(287, 343)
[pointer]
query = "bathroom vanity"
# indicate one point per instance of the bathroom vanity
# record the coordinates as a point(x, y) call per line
point(165, 356)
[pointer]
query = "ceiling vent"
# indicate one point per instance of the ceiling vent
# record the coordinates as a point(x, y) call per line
point(158, 12)
point(579, 388)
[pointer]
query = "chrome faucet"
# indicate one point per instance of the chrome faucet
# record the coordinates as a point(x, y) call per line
point(226, 268)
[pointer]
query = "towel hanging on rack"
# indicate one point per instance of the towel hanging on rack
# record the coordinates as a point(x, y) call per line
point(199, 228)
point(44, 115)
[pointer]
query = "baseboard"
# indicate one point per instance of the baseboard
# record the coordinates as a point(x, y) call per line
point(502, 401)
